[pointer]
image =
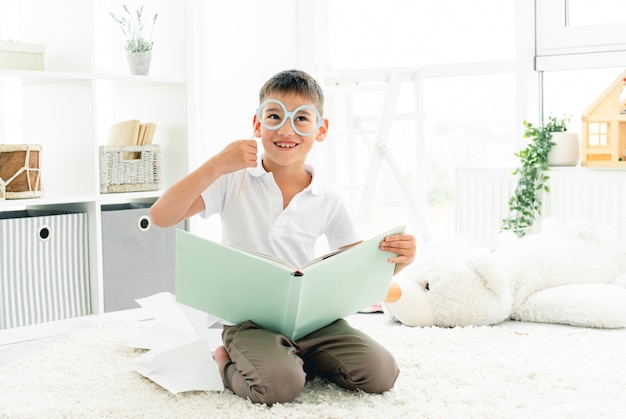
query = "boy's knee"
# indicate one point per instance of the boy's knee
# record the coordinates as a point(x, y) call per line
point(384, 380)
point(379, 374)
point(283, 386)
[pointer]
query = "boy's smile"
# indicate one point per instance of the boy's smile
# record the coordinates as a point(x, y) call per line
point(286, 145)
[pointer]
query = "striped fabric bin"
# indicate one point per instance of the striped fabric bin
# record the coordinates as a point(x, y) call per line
point(44, 267)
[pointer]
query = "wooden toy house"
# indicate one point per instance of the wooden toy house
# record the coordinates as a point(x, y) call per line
point(604, 128)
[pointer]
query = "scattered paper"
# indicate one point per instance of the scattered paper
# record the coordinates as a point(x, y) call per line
point(189, 367)
point(180, 346)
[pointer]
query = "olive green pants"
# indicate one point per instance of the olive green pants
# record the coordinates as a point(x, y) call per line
point(267, 367)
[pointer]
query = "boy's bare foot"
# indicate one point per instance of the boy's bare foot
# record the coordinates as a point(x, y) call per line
point(221, 357)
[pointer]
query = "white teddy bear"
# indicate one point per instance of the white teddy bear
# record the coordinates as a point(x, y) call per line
point(568, 275)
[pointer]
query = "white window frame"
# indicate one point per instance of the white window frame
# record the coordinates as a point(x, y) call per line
point(560, 46)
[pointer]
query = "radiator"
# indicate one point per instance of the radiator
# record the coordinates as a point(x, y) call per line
point(482, 195)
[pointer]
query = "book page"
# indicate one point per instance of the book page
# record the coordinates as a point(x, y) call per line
point(343, 284)
point(268, 258)
point(319, 259)
point(232, 285)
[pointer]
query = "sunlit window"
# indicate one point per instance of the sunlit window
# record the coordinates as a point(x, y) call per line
point(375, 33)
point(466, 118)
point(595, 12)
point(570, 93)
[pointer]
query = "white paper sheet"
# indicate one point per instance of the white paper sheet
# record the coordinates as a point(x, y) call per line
point(180, 346)
point(185, 368)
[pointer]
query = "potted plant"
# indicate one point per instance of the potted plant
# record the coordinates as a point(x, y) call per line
point(138, 46)
point(525, 204)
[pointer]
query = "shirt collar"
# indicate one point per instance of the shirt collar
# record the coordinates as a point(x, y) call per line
point(315, 186)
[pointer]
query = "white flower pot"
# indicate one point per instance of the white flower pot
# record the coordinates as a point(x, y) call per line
point(566, 150)
point(139, 62)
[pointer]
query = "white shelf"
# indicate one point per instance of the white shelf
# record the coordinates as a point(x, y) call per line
point(85, 88)
point(101, 199)
point(34, 77)
point(46, 200)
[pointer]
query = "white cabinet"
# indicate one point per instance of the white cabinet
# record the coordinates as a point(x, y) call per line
point(84, 89)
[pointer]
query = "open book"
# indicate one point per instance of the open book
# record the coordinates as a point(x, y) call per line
point(294, 301)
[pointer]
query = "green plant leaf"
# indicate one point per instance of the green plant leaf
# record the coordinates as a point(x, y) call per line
point(525, 203)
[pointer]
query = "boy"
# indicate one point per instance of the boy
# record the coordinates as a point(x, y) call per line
point(275, 206)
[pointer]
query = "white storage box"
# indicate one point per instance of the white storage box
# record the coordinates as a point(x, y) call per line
point(44, 267)
point(21, 56)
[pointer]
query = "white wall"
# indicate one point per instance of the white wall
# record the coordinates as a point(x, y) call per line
point(239, 45)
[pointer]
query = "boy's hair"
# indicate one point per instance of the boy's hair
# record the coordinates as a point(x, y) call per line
point(294, 81)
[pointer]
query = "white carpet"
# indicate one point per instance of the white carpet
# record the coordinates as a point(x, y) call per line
point(512, 371)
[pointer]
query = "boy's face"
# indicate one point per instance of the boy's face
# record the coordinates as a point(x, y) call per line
point(285, 146)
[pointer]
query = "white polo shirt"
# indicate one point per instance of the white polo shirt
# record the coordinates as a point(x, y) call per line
point(254, 219)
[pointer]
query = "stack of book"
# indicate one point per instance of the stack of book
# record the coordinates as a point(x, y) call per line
point(131, 133)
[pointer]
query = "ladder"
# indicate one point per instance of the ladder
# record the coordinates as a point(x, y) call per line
point(390, 82)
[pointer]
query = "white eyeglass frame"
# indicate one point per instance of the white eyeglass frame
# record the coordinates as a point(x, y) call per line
point(290, 116)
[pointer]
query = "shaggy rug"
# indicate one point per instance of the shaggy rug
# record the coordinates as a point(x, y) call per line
point(505, 371)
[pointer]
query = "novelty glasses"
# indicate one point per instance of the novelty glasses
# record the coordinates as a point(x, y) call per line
point(305, 119)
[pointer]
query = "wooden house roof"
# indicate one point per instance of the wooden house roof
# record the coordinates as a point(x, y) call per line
point(608, 102)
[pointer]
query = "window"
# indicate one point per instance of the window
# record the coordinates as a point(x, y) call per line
point(598, 134)
point(460, 112)
point(379, 34)
point(581, 49)
point(570, 92)
point(580, 33)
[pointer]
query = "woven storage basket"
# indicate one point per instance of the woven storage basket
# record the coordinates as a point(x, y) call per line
point(119, 173)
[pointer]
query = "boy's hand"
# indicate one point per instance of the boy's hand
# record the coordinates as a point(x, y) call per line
point(237, 155)
point(401, 244)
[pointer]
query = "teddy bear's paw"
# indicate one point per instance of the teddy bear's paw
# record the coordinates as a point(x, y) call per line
point(585, 305)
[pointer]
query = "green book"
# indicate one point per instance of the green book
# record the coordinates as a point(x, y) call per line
point(236, 286)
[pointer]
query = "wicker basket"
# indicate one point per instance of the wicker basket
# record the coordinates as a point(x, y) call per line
point(120, 172)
